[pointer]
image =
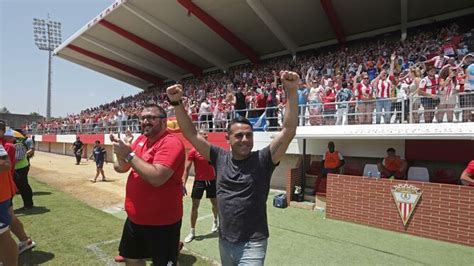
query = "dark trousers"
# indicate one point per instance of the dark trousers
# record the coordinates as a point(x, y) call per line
point(78, 157)
point(21, 181)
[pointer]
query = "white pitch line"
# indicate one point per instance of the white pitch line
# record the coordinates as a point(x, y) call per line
point(101, 254)
point(205, 217)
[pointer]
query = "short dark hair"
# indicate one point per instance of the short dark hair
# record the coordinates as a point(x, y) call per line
point(97, 141)
point(154, 105)
point(390, 150)
point(3, 125)
point(241, 120)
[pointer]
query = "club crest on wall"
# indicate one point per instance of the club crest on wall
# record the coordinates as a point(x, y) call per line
point(406, 197)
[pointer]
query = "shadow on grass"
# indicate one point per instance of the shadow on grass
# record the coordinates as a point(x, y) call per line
point(34, 211)
point(203, 237)
point(41, 193)
point(35, 257)
point(187, 259)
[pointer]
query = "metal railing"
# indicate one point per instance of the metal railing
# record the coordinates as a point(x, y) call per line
point(412, 109)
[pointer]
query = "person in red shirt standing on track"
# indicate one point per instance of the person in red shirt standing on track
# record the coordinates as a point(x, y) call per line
point(204, 180)
point(154, 197)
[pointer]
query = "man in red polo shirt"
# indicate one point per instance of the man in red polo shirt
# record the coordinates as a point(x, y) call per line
point(154, 197)
point(467, 177)
point(204, 180)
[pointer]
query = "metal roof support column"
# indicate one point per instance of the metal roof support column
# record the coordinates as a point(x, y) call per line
point(334, 21)
point(273, 25)
point(403, 18)
point(221, 30)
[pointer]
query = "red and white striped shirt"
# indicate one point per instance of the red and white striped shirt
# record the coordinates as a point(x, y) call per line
point(362, 90)
point(383, 88)
point(430, 85)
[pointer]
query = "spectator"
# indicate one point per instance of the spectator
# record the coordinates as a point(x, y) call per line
point(303, 93)
point(205, 115)
point(329, 108)
point(332, 160)
point(153, 199)
point(392, 166)
point(343, 97)
point(448, 92)
point(467, 177)
point(242, 207)
point(315, 104)
point(413, 80)
point(22, 167)
point(383, 91)
point(429, 89)
point(466, 100)
point(364, 95)
point(204, 180)
point(9, 250)
point(240, 102)
point(271, 112)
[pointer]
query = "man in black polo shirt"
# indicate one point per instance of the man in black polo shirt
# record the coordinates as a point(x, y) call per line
point(77, 148)
point(243, 176)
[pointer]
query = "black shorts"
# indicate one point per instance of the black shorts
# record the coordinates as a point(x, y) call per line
point(99, 164)
point(200, 186)
point(158, 242)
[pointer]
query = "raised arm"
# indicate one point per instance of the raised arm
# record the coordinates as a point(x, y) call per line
point(280, 143)
point(175, 93)
point(392, 64)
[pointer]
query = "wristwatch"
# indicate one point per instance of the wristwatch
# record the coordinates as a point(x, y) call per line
point(176, 103)
point(130, 157)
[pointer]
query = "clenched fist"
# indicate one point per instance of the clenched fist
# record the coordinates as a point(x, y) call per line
point(290, 80)
point(175, 92)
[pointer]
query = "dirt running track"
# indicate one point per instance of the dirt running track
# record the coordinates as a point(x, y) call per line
point(62, 173)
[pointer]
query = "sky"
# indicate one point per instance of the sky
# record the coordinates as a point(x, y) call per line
point(24, 68)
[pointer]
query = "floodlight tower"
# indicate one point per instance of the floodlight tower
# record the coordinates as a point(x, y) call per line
point(47, 36)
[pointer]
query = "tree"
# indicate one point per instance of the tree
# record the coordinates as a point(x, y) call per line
point(34, 113)
point(4, 110)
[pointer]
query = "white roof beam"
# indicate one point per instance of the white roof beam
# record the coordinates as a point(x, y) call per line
point(157, 69)
point(273, 25)
point(178, 37)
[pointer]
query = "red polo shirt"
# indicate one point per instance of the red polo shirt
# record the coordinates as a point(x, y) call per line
point(7, 186)
point(470, 168)
point(163, 205)
point(203, 171)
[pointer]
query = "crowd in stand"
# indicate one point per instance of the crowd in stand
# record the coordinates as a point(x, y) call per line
point(425, 74)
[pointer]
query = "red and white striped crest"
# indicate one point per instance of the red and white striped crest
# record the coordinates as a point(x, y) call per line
point(406, 197)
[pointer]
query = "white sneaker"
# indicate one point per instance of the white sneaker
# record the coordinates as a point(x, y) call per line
point(26, 245)
point(190, 237)
point(215, 226)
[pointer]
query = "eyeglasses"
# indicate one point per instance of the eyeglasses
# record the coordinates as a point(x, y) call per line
point(365, 78)
point(151, 117)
